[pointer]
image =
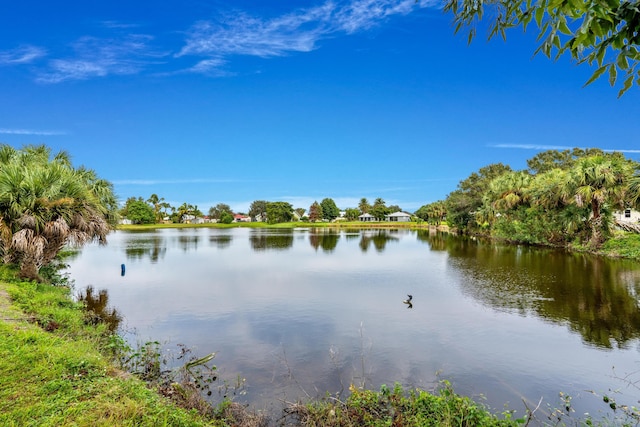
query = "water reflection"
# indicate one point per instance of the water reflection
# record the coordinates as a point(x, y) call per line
point(220, 241)
point(595, 297)
point(98, 310)
point(437, 241)
point(499, 320)
point(324, 238)
point(263, 239)
point(188, 242)
point(152, 247)
point(379, 239)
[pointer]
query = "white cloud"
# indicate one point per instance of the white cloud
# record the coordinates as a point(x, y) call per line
point(118, 25)
point(101, 57)
point(209, 66)
point(170, 181)
point(246, 35)
point(298, 31)
point(21, 55)
point(559, 147)
point(364, 14)
point(213, 42)
point(31, 132)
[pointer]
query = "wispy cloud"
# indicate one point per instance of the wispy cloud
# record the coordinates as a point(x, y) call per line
point(171, 181)
point(31, 132)
point(246, 35)
point(211, 42)
point(559, 147)
point(364, 14)
point(118, 25)
point(21, 55)
point(211, 67)
point(97, 57)
point(298, 31)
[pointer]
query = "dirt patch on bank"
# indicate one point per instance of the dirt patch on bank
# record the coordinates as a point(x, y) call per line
point(8, 313)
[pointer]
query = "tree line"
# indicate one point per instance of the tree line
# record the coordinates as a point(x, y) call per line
point(562, 197)
point(155, 210)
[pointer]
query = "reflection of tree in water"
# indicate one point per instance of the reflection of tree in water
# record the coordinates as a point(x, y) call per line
point(351, 233)
point(436, 240)
point(152, 247)
point(379, 238)
point(324, 238)
point(98, 310)
point(594, 296)
point(188, 243)
point(263, 239)
point(220, 242)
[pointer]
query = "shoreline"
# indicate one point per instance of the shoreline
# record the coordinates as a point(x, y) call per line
point(622, 244)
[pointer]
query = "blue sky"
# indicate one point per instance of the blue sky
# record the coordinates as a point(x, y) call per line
point(212, 102)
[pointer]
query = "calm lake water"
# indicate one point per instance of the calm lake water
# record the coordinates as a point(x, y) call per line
point(308, 311)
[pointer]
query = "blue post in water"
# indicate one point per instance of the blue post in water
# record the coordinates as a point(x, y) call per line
point(122, 270)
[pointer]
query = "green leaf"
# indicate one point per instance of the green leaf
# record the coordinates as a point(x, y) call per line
point(596, 74)
point(617, 41)
point(554, 4)
point(539, 15)
point(622, 61)
point(563, 27)
point(613, 74)
point(627, 84)
point(526, 19)
point(600, 55)
point(596, 28)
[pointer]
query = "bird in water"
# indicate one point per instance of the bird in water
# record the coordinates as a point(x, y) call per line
point(408, 301)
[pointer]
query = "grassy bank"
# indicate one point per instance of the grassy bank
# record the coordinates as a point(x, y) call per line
point(56, 371)
point(59, 369)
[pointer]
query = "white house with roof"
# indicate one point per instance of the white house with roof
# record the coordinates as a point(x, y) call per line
point(628, 215)
point(398, 217)
point(241, 218)
point(365, 217)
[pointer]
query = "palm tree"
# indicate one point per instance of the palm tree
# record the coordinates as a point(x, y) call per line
point(596, 181)
point(634, 188)
point(364, 205)
point(509, 190)
point(158, 204)
point(46, 204)
point(549, 189)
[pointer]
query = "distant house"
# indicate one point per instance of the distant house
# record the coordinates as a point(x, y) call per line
point(365, 217)
point(187, 219)
point(628, 215)
point(398, 217)
point(241, 218)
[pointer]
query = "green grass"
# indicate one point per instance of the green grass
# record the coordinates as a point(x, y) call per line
point(624, 245)
point(53, 374)
point(416, 408)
